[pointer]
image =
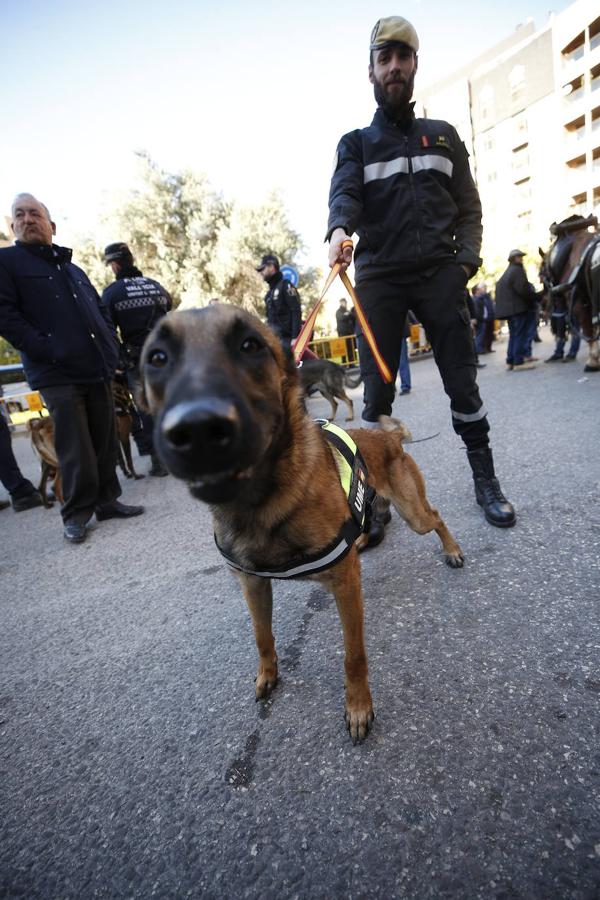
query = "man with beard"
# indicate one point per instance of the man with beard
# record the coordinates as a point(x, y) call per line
point(404, 186)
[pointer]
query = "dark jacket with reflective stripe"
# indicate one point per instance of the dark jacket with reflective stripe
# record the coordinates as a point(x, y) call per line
point(51, 313)
point(406, 189)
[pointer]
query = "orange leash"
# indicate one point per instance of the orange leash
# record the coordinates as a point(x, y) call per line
point(299, 345)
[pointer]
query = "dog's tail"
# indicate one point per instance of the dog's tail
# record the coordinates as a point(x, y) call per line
point(389, 424)
point(352, 382)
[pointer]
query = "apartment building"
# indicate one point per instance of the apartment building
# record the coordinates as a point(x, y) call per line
point(529, 113)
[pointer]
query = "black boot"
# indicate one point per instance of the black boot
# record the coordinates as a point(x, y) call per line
point(381, 517)
point(497, 509)
point(157, 467)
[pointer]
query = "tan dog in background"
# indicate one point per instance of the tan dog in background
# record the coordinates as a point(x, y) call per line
point(41, 433)
point(231, 421)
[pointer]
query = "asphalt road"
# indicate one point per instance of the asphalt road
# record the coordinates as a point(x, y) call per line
point(134, 761)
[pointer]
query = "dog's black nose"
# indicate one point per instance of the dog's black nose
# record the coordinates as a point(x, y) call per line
point(206, 429)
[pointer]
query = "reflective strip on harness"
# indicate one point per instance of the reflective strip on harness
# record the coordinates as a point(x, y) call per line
point(353, 477)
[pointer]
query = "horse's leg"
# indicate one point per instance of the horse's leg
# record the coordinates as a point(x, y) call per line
point(593, 363)
point(590, 334)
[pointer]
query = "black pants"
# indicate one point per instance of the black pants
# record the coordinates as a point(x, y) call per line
point(439, 303)
point(10, 475)
point(142, 426)
point(86, 445)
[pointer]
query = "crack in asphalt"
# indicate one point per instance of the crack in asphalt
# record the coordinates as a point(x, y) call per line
point(240, 772)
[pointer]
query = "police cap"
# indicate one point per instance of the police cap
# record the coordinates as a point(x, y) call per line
point(118, 252)
point(268, 260)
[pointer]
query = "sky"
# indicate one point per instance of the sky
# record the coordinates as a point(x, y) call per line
point(255, 95)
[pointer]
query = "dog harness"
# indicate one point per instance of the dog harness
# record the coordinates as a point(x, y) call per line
point(353, 477)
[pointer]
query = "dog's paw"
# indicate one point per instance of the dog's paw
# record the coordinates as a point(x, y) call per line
point(265, 681)
point(456, 559)
point(359, 721)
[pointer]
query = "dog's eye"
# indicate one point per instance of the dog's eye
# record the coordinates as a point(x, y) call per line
point(251, 345)
point(158, 359)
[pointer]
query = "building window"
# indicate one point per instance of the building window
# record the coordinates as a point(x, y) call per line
point(524, 220)
point(578, 203)
point(595, 78)
point(520, 164)
point(486, 102)
point(575, 133)
point(488, 144)
point(573, 90)
point(595, 34)
point(516, 83)
point(523, 192)
point(574, 50)
point(492, 176)
point(520, 131)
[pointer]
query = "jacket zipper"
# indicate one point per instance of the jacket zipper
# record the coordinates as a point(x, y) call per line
point(411, 181)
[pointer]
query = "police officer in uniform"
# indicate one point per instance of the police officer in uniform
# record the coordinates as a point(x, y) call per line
point(135, 303)
point(282, 300)
point(404, 186)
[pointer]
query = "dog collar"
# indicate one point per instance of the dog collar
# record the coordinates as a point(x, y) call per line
point(353, 474)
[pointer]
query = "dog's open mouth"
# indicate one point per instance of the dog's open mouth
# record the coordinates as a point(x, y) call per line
point(218, 487)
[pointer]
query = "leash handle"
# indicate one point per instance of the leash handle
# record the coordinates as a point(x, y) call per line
point(299, 345)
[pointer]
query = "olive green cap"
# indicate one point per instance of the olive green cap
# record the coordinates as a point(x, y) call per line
point(394, 30)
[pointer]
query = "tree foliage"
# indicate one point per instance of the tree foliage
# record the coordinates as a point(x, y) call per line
point(183, 233)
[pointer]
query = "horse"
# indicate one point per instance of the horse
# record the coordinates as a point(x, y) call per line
point(570, 275)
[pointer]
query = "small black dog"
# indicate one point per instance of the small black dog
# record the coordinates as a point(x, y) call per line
point(330, 380)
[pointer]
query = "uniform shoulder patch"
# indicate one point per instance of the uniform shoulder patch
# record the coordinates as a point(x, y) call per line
point(442, 141)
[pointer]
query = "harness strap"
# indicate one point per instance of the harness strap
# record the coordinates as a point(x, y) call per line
point(353, 476)
point(306, 564)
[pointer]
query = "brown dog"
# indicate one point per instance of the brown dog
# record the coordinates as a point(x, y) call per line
point(232, 423)
point(41, 432)
point(124, 417)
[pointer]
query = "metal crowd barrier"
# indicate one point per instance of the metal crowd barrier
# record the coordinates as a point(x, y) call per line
point(344, 351)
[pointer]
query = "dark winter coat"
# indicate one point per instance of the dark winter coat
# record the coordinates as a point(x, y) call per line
point(283, 307)
point(51, 313)
point(514, 294)
point(135, 304)
point(406, 189)
point(345, 320)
